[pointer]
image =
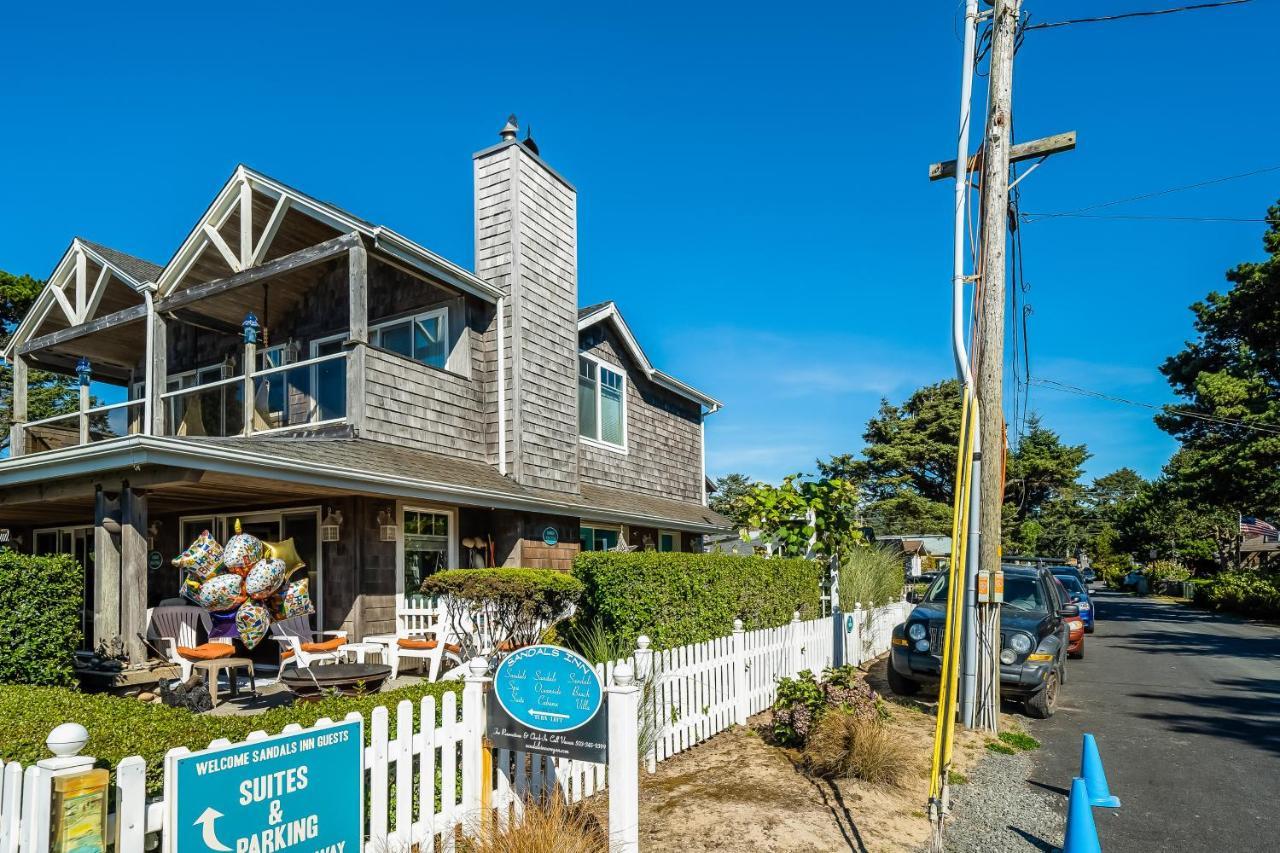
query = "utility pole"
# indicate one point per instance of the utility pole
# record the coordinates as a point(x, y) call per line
point(990, 345)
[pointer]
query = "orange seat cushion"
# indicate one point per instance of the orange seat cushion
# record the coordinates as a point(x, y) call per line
point(508, 646)
point(427, 645)
point(208, 651)
point(326, 646)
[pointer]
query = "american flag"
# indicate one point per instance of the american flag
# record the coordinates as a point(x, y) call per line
point(1250, 526)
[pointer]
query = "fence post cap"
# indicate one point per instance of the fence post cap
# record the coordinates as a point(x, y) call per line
point(478, 666)
point(796, 616)
point(737, 624)
point(622, 675)
point(857, 605)
point(642, 642)
point(67, 740)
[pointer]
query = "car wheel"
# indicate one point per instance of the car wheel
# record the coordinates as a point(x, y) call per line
point(1077, 655)
point(1042, 705)
point(1088, 629)
point(900, 684)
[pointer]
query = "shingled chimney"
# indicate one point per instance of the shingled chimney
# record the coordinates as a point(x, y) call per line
point(527, 246)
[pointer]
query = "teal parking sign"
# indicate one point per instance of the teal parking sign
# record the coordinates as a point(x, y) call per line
point(300, 793)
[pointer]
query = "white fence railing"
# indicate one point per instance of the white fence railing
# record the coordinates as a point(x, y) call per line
point(427, 783)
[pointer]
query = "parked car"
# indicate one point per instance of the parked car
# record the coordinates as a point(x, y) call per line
point(1075, 625)
point(1033, 639)
point(1078, 594)
point(1090, 577)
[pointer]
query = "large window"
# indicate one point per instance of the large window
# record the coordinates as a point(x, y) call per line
point(602, 409)
point(598, 538)
point(423, 338)
point(426, 549)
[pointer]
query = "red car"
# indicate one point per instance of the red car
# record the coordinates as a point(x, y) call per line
point(1075, 626)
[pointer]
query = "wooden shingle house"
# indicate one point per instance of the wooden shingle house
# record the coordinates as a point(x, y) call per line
point(327, 379)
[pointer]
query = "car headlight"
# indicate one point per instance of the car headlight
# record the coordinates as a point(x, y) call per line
point(1084, 605)
point(922, 645)
point(1008, 656)
point(1020, 643)
point(917, 631)
point(1075, 625)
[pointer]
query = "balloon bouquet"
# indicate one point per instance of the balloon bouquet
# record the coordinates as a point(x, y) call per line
point(249, 576)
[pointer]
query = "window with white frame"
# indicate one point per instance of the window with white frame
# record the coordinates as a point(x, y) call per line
point(423, 337)
point(602, 407)
point(598, 538)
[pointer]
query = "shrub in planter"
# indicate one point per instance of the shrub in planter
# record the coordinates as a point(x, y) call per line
point(846, 745)
point(518, 604)
point(803, 701)
point(676, 599)
point(40, 599)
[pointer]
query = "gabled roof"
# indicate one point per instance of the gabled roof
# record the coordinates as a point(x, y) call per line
point(133, 272)
point(286, 198)
point(607, 312)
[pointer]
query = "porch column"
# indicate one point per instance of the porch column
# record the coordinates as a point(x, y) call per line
point(157, 370)
point(18, 433)
point(133, 572)
point(106, 568)
point(358, 332)
point(250, 326)
point(84, 373)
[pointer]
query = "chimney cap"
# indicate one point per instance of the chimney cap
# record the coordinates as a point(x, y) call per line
point(528, 140)
point(511, 128)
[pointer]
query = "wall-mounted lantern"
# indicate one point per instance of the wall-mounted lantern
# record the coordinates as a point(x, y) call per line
point(387, 530)
point(331, 526)
point(250, 326)
point(83, 370)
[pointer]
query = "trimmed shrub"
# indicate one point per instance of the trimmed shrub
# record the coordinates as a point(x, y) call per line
point(519, 604)
point(120, 727)
point(678, 599)
point(873, 575)
point(1247, 592)
point(40, 598)
point(1166, 570)
point(845, 745)
point(803, 701)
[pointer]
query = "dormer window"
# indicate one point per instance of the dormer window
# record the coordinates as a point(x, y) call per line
point(423, 337)
point(602, 409)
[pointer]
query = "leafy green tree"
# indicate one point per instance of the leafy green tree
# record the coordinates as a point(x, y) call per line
point(1167, 520)
point(1228, 421)
point(48, 394)
point(728, 489)
point(802, 510)
point(1043, 496)
point(911, 460)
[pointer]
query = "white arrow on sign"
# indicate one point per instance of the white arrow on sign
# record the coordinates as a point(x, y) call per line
point(207, 817)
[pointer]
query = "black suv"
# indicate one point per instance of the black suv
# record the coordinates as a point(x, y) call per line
point(1033, 640)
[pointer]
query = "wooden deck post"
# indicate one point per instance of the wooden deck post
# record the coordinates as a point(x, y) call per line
point(358, 332)
point(133, 572)
point(18, 433)
point(106, 570)
point(157, 379)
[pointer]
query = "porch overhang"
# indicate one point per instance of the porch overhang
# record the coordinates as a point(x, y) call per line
point(353, 466)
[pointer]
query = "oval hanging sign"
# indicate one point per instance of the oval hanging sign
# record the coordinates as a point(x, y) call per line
point(548, 688)
point(550, 536)
point(549, 701)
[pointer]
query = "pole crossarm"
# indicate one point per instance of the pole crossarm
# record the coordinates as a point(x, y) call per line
point(1042, 147)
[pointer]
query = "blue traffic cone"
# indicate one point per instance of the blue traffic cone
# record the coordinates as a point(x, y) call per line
point(1095, 777)
point(1082, 835)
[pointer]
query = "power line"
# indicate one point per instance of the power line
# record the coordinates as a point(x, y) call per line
point(1034, 217)
point(1143, 196)
point(1148, 13)
point(1054, 385)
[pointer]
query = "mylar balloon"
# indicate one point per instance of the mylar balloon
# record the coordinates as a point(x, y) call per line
point(202, 558)
point(286, 551)
point(294, 600)
point(242, 551)
point(264, 578)
point(252, 621)
point(221, 592)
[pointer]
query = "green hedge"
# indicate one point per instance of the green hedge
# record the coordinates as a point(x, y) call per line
point(690, 598)
point(1248, 592)
point(120, 727)
point(40, 599)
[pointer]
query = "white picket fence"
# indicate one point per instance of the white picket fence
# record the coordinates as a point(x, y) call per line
point(685, 695)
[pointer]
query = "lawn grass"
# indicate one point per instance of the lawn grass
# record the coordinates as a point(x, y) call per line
point(1019, 740)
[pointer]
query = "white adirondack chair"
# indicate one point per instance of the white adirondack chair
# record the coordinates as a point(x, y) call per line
point(302, 646)
point(171, 628)
point(422, 633)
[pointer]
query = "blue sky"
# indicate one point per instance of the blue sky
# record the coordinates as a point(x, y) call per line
point(752, 178)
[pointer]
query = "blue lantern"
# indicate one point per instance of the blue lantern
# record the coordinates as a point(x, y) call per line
point(83, 370)
point(250, 326)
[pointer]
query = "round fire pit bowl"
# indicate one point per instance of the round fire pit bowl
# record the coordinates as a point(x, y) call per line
point(348, 679)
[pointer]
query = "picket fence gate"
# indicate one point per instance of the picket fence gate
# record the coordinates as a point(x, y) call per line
point(431, 779)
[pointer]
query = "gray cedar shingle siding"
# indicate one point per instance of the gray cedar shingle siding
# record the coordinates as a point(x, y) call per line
point(409, 403)
point(664, 442)
point(526, 244)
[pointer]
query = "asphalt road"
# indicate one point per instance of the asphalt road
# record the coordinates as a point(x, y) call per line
point(1185, 706)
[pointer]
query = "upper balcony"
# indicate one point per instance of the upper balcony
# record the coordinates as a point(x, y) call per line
point(309, 329)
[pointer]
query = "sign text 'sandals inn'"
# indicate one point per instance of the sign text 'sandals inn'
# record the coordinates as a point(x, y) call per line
point(432, 415)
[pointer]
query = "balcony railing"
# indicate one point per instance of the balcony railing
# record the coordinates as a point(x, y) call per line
point(99, 423)
point(303, 394)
